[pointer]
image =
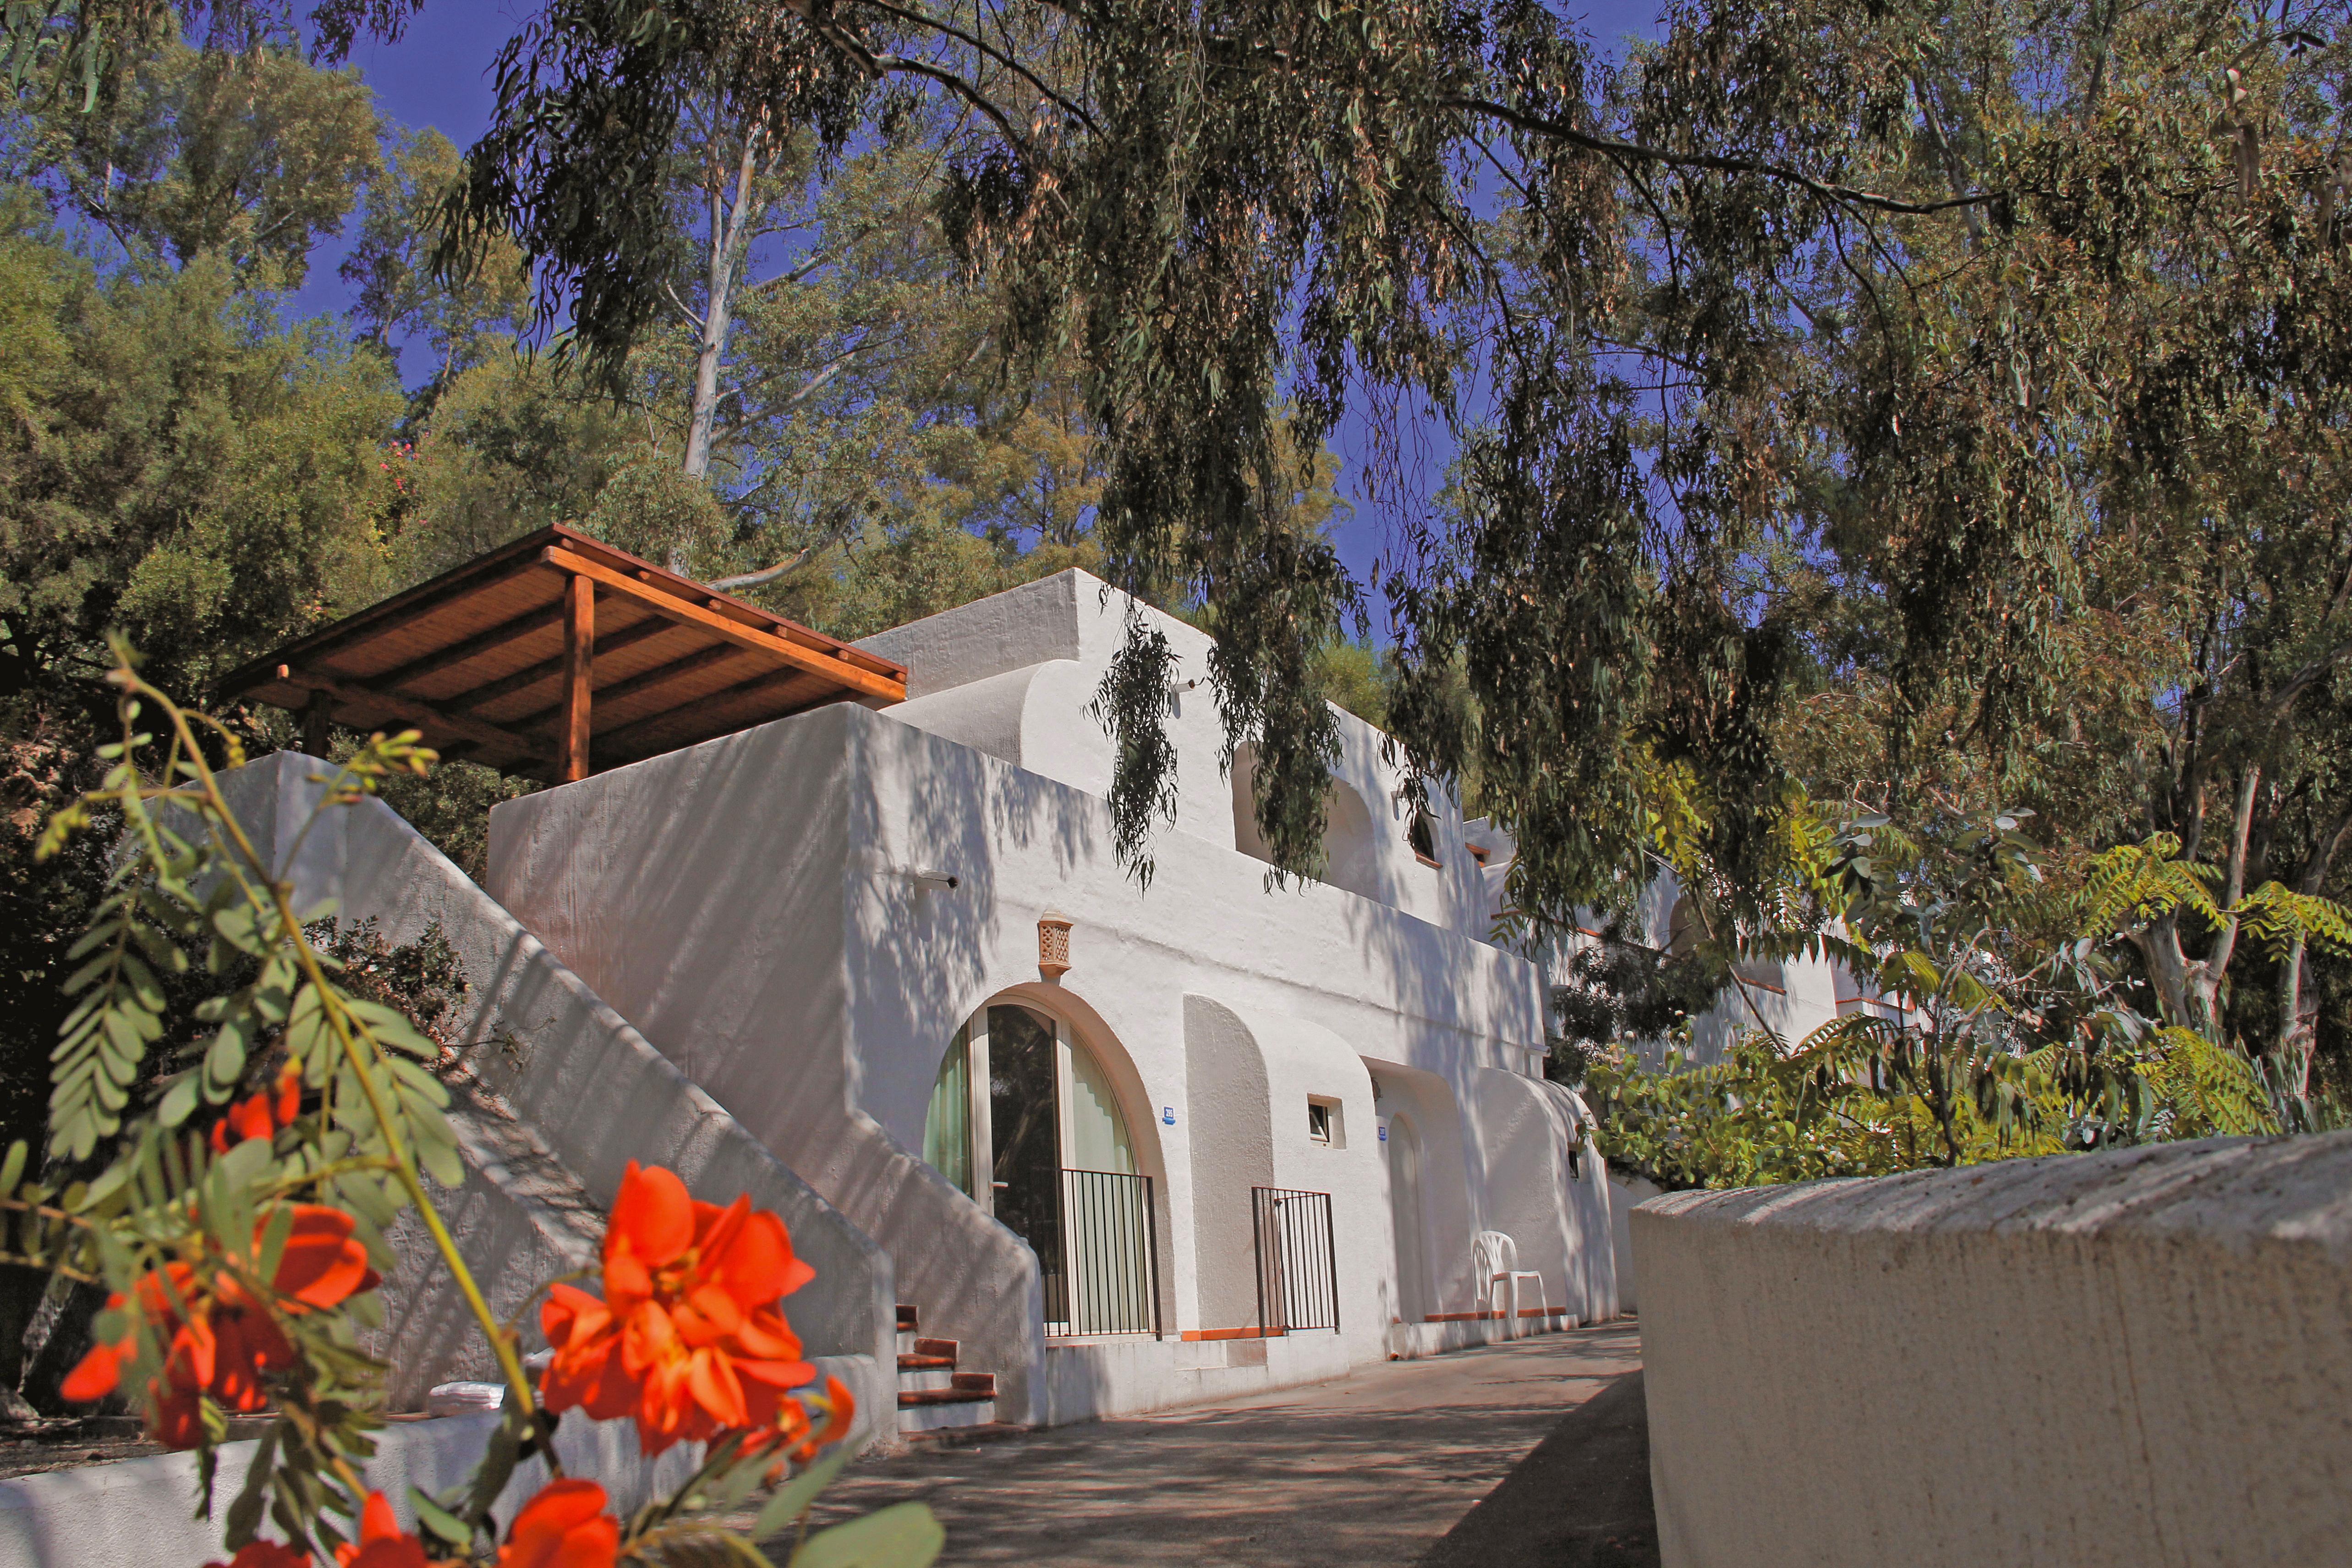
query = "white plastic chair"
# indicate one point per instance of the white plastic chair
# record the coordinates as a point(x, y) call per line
point(1494, 1259)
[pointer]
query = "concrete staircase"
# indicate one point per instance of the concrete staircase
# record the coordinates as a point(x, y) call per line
point(934, 1397)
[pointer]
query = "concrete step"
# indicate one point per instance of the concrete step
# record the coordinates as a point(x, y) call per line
point(976, 1384)
point(926, 1381)
point(909, 1361)
point(953, 1387)
point(916, 1344)
point(946, 1408)
point(965, 1437)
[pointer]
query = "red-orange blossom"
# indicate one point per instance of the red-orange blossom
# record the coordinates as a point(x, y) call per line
point(689, 1339)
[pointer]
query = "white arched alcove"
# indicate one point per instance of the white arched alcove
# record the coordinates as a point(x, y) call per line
point(1351, 851)
point(1232, 1151)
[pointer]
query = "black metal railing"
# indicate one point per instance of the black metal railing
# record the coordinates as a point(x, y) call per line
point(1104, 1277)
point(1297, 1266)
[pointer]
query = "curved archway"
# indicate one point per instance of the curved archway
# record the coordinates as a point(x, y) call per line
point(1351, 856)
point(1031, 1120)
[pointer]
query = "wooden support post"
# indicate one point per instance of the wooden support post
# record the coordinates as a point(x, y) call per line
point(315, 738)
point(578, 667)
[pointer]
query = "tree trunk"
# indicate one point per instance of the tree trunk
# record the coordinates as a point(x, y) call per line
point(2188, 990)
point(730, 237)
point(2295, 1039)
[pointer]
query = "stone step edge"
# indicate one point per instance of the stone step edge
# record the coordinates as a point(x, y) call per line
point(911, 1398)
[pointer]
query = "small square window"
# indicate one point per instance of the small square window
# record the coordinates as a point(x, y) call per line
point(1421, 833)
point(1323, 1121)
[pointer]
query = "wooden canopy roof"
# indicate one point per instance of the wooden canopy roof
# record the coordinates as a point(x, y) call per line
point(556, 656)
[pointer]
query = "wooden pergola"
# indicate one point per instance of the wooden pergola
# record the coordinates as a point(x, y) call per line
point(556, 657)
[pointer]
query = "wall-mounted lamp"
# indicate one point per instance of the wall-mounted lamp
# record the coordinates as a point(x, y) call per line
point(1053, 946)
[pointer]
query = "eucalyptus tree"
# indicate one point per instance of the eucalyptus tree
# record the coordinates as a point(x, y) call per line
point(253, 154)
point(394, 290)
point(1874, 290)
point(1916, 353)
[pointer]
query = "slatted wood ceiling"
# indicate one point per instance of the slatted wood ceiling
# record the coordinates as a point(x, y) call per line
point(476, 659)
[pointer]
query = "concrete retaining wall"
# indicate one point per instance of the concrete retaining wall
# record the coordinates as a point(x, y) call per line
point(2138, 1358)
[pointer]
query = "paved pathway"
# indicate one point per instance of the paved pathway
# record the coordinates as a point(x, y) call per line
point(1371, 1469)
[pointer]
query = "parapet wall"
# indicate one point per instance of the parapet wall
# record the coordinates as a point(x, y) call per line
point(2142, 1358)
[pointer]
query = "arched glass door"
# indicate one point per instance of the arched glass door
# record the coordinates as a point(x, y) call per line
point(1019, 1099)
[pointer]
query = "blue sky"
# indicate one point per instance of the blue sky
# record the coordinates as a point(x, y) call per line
point(439, 75)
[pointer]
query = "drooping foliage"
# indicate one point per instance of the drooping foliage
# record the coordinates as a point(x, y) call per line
point(1819, 345)
point(1914, 405)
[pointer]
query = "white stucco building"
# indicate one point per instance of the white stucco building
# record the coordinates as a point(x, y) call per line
point(1238, 1111)
point(844, 926)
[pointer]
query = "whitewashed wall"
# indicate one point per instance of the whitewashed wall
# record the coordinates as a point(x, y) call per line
point(585, 1090)
point(750, 904)
point(2140, 1358)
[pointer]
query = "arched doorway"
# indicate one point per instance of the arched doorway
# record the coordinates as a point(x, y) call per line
point(1405, 1216)
point(1022, 1117)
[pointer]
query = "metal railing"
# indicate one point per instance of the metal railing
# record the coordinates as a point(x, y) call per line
point(1104, 1277)
point(1298, 1266)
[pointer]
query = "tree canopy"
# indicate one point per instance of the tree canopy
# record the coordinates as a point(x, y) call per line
point(1933, 406)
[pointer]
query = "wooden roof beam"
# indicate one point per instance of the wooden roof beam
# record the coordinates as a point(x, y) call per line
point(474, 647)
point(756, 686)
point(841, 671)
point(417, 712)
point(700, 659)
point(548, 669)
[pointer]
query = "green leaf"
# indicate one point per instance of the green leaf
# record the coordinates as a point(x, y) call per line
point(179, 1102)
point(499, 1459)
point(442, 1163)
point(793, 1498)
point(274, 1236)
point(225, 1060)
point(440, 1522)
point(12, 1170)
point(245, 1514)
point(416, 1081)
point(903, 1535)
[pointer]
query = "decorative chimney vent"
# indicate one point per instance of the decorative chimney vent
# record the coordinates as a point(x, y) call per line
point(1054, 946)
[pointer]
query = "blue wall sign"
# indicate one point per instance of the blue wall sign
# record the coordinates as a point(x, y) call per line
point(1168, 1114)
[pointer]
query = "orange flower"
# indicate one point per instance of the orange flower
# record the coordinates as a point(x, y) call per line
point(227, 1342)
point(564, 1526)
point(261, 1115)
point(841, 1407)
point(259, 1553)
point(688, 1338)
point(382, 1542)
